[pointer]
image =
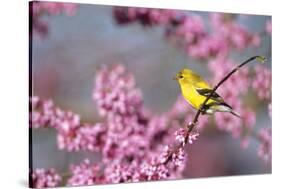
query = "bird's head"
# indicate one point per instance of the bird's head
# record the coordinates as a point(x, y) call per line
point(184, 75)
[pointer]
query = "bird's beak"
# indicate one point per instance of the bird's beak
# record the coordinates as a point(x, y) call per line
point(176, 77)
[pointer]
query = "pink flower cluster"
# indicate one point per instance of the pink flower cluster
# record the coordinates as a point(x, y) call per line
point(182, 134)
point(268, 27)
point(115, 92)
point(235, 35)
point(262, 82)
point(190, 31)
point(40, 9)
point(130, 139)
point(72, 135)
point(133, 134)
point(265, 137)
point(84, 174)
point(42, 178)
point(146, 17)
point(136, 172)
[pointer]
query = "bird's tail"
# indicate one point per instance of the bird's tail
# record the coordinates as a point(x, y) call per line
point(224, 107)
point(236, 114)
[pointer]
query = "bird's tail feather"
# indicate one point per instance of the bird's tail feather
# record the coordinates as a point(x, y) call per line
point(236, 114)
point(222, 107)
point(228, 108)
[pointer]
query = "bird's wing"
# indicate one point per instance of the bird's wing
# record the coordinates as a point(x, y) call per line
point(206, 92)
point(203, 88)
point(200, 83)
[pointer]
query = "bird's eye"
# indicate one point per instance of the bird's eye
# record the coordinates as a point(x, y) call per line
point(181, 77)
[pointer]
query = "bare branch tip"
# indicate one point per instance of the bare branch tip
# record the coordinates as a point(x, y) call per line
point(261, 59)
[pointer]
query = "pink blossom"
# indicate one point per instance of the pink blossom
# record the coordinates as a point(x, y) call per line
point(132, 133)
point(82, 137)
point(130, 130)
point(262, 82)
point(178, 157)
point(245, 142)
point(190, 33)
point(209, 46)
point(154, 172)
point(264, 150)
point(248, 117)
point(181, 135)
point(192, 137)
point(42, 113)
point(42, 178)
point(144, 16)
point(229, 123)
point(234, 35)
point(118, 173)
point(129, 133)
point(39, 9)
point(115, 92)
point(72, 135)
point(135, 172)
point(268, 27)
point(190, 29)
point(165, 155)
point(84, 174)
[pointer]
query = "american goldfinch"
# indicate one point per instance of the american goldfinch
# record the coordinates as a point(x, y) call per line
point(195, 90)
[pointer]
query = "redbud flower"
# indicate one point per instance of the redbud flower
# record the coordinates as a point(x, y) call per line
point(42, 178)
point(268, 27)
point(84, 174)
point(119, 173)
point(234, 35)
point(42, 113)
point(165, 154)
point(262, 82)
point(192, 137)
point(264, 150)
point(154, 172)
point(178, 156)
point(145, 16)
point(115, 92)
point(72, 135)
point(39, 9)
point(181, 135)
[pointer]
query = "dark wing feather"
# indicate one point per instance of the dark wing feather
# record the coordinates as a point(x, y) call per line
point(217, 98)
point(224, 104)
point(206, 92)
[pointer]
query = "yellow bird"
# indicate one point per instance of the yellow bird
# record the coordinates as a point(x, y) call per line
point(195, 90)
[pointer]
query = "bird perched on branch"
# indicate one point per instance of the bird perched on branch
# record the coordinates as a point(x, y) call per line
point(195, 91)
